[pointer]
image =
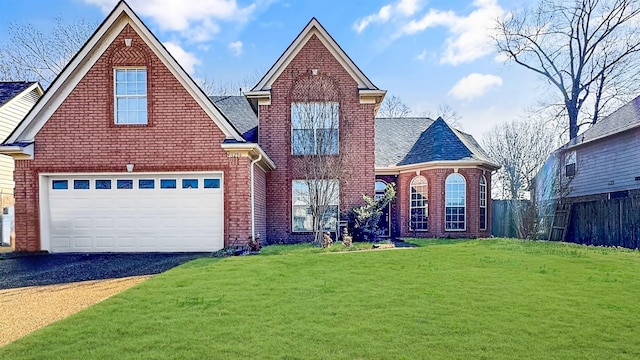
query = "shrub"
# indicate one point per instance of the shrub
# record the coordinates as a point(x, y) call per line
point(363, 220)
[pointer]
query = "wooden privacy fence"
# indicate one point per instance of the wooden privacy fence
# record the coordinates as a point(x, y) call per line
point(504, 220)
point(612, 222)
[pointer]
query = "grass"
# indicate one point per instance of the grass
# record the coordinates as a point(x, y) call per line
point(477, 299)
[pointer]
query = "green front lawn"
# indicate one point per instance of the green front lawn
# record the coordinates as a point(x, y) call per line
point(479, 299)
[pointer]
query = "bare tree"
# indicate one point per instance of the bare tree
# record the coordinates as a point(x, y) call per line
point(520, 148)
point(448, 114)
point(212, 86)
point(394, 107)
point(31, 54)
point(319, 160)
point(588, 50)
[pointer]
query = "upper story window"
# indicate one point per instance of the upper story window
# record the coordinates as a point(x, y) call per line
point(570, 164)
point(419, 206)
point(131, 96)
point(315, 128)
point(483, 203)
point(455, 189)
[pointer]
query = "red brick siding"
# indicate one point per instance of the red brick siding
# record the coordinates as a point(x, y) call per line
point(436, 182)
point(81, 137)
point(356, 138)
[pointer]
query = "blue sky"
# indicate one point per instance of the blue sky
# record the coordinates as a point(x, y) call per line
point(426, 52)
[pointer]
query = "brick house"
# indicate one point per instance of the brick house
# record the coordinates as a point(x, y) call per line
point(125, 153)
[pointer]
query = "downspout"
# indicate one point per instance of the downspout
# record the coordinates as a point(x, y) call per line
point(253, 196)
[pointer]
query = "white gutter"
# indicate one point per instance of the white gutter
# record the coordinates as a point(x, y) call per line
point(253, 205)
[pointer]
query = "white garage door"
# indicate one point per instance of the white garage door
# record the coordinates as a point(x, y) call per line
point(133, 213)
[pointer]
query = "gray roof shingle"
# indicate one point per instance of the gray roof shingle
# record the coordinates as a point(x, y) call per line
point(405, 141)
point(625, 118)
point(239, 111)
point(9, 90)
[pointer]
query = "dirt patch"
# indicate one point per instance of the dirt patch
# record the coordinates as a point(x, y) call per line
point(27, 309)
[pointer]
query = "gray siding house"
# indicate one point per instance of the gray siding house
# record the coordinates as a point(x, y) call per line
point(605, 159)
point(588, 191)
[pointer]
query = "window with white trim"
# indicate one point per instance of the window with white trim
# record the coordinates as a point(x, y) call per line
point(327, 191)
point(483, 203)
point(130, 96)
point(315, 128)
point(419, 206)
point(455, 203)
point(570, 164)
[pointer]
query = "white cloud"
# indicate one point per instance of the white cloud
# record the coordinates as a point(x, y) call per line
point(474, 85)
point(409, 7)
point(422, 56)
point(402, 8)
point(470, 35)
point(198, 21)
point(186, 59)
point(236, 48)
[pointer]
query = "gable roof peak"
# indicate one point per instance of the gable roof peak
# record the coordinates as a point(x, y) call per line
point(312, 28)
point(119, 17)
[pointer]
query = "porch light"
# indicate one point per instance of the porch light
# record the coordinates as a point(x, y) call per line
point(129, 167)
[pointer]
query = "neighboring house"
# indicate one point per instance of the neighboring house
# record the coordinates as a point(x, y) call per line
point(589, 188)
point(16, 99)
point(126, 153)
point(602, 162)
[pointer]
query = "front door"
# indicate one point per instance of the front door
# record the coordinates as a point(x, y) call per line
point(384, 224)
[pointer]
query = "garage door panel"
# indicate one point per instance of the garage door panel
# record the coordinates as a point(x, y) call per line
point(82, 242)
point(136, 219)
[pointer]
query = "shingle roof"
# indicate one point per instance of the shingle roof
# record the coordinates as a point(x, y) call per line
point(625, 118)
point(405, 141)
point(9, 90)
point(240, 113)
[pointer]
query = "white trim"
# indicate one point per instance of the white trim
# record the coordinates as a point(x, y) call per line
point(465, 203)
point(95, 48)
point(18, 152)
point(253, 199)
point(251, 148)
point(43, 207)
point(447, 164)
point(115, 93)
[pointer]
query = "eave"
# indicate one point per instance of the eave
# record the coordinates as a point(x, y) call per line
point(250, 150)
point(18, 152)
point(448, 164)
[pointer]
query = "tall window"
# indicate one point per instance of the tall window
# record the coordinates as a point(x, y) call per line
point(314, 128)
point(570, 164)
point(455, 203)
point(314, 193)
point(483, 203)
point(419, 207)
point(131, 96)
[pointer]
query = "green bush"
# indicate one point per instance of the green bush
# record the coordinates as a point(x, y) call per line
point(363, 220)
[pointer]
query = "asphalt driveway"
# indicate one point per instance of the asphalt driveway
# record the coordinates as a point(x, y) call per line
point(66, 268)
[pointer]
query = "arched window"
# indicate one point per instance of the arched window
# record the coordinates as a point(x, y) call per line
point(419, 206)
point(455, 203)
point(483, 203)
point(381, 186)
